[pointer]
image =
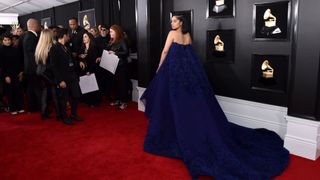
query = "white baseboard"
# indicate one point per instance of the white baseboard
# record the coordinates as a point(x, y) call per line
point(247, 113)
point(303, 137)
point(254, 115)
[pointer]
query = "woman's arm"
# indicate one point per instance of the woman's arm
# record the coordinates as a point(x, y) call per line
point(189, 38)
point(166, 47)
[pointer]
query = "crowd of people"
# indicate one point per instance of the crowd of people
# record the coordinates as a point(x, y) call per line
point(186, 120)
point(44, 65)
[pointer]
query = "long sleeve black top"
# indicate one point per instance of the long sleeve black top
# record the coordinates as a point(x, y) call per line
point(90, 59)
point(11, 61)
point(62, 64)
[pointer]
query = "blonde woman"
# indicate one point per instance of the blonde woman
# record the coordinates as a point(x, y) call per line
point(42, 58)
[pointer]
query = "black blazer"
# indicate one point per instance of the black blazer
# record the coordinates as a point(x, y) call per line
point(60, 59)
point(30, 41)
point(76, 39)
point(121, 50)
point(10, 61)
point(90, 59)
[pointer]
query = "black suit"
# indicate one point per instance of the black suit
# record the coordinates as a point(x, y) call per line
point(64, 69)
point(76, 39)
point(30, 41)
point(12, 66)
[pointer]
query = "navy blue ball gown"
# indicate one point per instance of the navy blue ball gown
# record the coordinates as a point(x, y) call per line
point(186, 122)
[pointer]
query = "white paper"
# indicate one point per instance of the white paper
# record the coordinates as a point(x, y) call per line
point(88, 83)
point(109, 61)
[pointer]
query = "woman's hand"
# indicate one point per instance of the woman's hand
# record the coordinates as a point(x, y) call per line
point(82, 56)
point(8, 80)
point(62, 84)
point(20, 76)
point(98, 60)
point(82, 65)
point(158, 67)
point(88, 73)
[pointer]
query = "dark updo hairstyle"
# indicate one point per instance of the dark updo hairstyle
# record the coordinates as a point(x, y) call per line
point(185, 26)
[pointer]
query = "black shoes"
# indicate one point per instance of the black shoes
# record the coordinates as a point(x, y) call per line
point(67, 121)
point(76, 118)
point(45, 117)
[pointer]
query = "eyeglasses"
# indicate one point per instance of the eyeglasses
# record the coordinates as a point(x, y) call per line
point(103, 29)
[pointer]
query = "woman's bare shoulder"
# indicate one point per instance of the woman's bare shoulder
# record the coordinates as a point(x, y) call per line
point(172, 33)
point(188, 37)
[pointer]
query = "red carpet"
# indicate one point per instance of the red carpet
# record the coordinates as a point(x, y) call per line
point(107, 145)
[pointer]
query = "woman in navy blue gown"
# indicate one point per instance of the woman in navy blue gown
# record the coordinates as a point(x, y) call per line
point(186, 121)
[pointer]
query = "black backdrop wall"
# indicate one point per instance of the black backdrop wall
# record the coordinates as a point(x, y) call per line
point(302, 47)
point(234, 79)
point(107, 12)
point(301, 96)
point(59, 15)
point(63, 13)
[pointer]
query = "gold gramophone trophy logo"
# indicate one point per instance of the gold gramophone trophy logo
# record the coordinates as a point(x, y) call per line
point(86, 23)
point(269, 19)
point(45, 25)
point(218, 44)
point(270, 24)
point(267, 70)
point(219, 6)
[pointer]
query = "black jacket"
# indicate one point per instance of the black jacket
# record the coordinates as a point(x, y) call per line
point(102, 43)
point(90, 59)
point(10, 61)
point(62, 64)
point(76, 39)
point(121, 50)
point(30, 41)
